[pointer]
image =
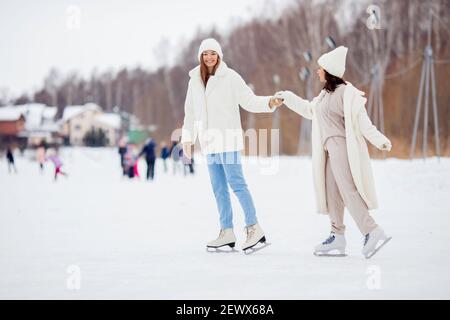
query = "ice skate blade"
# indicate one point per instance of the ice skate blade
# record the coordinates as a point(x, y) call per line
point(338, 255)
point(370, 255)
point(262, 240)
point(220, 250)
point(253, 249)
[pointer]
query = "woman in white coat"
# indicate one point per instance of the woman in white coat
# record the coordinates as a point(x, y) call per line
point(341, 164)
point(214, 95)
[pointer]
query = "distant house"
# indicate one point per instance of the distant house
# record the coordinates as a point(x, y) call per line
point(111, 124)
point(12, 123)
point(77, 121)
point(38, 123)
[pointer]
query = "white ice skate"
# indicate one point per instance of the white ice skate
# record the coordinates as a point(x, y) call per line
point(255, 235)
point(226, 238)
point(334, 246)
point(374, 241)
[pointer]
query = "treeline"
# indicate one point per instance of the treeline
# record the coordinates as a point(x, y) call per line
point(264, 47)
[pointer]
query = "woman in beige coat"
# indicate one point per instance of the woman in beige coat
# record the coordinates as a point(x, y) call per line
point(341, 163)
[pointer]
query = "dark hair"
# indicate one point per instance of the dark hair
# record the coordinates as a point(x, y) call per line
point(332, 82)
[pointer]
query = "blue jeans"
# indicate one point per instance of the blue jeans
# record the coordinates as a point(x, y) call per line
point(225, 168)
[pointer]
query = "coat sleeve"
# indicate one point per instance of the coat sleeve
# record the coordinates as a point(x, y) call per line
point(187, 131)
point(247, 99)
point(299, 105)
point(369, 131)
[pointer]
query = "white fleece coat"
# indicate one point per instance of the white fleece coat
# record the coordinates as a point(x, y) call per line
point(357, 127)
point(213, 115)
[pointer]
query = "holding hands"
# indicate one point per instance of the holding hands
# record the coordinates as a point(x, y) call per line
point(275, 102)
point(284, 95)
point(303, 107)
point(386, 147)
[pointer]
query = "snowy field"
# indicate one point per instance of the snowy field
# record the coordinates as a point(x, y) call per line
point(118, 238)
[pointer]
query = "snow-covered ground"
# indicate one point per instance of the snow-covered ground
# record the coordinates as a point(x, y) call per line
point(118, 238)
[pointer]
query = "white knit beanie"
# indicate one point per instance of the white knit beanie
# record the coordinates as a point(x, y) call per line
point(210, 44)
point(334, 61)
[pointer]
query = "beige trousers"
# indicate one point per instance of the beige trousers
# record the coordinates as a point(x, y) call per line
point(341, 190)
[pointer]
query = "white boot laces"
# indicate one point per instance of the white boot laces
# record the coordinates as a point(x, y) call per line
point(250, 232)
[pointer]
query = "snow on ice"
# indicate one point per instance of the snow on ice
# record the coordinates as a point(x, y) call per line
point(98, 235)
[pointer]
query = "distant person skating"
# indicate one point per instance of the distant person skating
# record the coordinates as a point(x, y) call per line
point(53, 157)
point(40, 156)
point(150, 157)
point(131, 163)
point(122, 151)
point(176, 154)
point(188, 164)
point(10, 159)
point(165, 153)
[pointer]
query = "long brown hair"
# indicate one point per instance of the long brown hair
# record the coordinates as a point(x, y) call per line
point(204, 69)
point(332, 82)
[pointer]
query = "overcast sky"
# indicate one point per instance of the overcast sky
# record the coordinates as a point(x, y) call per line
point(79, 35)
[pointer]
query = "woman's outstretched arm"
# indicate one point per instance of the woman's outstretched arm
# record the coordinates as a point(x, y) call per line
point(247, 99)
point(299, 105)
